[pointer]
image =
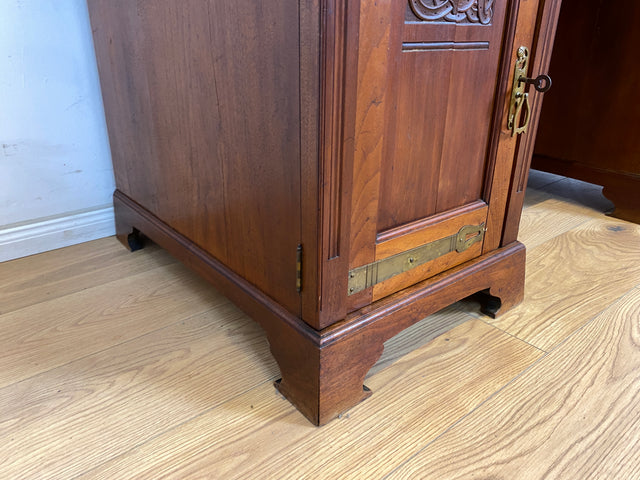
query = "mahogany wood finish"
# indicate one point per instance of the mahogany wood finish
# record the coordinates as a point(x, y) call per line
point(323, 371)
point(589, 121)
point(197, 114)
point(249, 139)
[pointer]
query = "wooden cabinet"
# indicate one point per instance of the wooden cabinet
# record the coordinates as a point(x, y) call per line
point(589, 121)
point(340, 168)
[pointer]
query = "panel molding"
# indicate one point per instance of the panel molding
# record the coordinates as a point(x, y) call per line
point(50, 233)
point(332, 94)
point(429, 46)
point(339, 25)
point(418, 225)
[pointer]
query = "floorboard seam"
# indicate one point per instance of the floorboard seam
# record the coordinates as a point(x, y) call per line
point(512, 335)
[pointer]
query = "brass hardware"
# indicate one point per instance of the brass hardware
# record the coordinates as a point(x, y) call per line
point(366, 276)
point(541, 83)
point(299, 268)
point(518, 95)
point(520, 98)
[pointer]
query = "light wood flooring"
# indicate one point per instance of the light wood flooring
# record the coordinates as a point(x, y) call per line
point(119, 365)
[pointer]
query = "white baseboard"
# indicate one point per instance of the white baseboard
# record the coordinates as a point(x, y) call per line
point(41, 235)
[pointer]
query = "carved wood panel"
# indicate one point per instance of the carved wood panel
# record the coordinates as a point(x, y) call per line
point(455, 11)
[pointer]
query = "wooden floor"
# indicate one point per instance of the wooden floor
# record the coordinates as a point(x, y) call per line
point(117, 365)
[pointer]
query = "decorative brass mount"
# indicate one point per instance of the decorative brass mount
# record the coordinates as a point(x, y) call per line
point(520, 98)
point(366, 276)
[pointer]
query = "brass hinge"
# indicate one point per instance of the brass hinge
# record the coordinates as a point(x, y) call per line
point(366, 276)
point(299, 268)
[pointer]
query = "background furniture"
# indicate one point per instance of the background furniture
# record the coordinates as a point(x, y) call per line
point(589, 124)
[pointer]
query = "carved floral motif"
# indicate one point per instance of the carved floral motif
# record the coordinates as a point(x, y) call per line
point(459, 11)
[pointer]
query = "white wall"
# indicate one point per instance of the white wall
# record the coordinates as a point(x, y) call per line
point(56, 179)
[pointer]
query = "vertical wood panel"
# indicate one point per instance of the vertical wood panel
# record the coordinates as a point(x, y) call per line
point(425, 121)
point(339, 64)
point(203, 106)
point(310, 187)
point(438, 134)
point(588, 122)
point(378, 24)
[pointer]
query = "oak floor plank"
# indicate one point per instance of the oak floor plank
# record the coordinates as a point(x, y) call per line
point(49, 334)
point(420, 334)
point(574, 415)
point(83, 413)
point(577, 192)
point(99, 402)
point(539, 179)
point(260, 435)
point(534, 197)
point(571, 278)
point(37, 278)
point(550, 218)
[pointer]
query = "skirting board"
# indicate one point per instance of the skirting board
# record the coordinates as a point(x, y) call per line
point(41, 235)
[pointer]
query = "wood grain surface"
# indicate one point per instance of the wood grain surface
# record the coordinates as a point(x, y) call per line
point(555, 217)
point(98, 406)
point(406, 413)
point(574, 276)
point(152, 374)
point(58, 331)
point(203, 111)
point(574, 414)
point(64, 271)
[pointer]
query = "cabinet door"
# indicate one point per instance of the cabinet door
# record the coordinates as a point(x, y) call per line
point(431, 81)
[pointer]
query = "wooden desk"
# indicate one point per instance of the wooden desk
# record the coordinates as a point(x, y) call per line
point(590, 123)
point(340, 169)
